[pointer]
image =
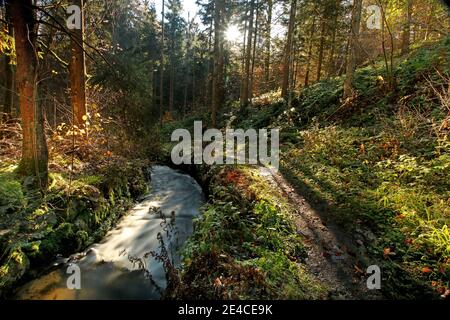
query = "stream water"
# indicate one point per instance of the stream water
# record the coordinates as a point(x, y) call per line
point(106, 270)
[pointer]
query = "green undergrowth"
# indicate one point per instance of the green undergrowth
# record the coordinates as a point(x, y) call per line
point(402, 199)
point(378, 164)
point(74, 213)
point(245, 244)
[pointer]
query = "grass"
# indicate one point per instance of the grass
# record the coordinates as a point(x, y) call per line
point(378, 164)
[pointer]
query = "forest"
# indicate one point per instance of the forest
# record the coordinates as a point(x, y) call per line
point(350, 96)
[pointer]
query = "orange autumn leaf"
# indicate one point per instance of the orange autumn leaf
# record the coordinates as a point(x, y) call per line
point(387, 252)
point(217, 283)
point(426, 270)
point(362, 148)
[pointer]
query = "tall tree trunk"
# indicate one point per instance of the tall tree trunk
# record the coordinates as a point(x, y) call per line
point(407, 28)
point(309, 58)
point(152, 83)
point(321, 49)
point(389, 60)
point(287, 52)
point(193, 86)
point(221, 65)
point(244, 55)
point(77, 70)
point(189, 61)
point(161, 74)
point(429, 21)
point(255, 39)
point(246, 83)
point(268, 44)
point(331, 63)
point(9, 73)
point(171, 86)
point(353, 51)
point(210, 67)
point(171, 68)
point(296, 66)
point(34, 146)
point(217, 88)
point(194, 72)
point(185, 99)
point(293, 69)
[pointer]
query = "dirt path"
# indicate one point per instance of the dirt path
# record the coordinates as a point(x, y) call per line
point(333, 256)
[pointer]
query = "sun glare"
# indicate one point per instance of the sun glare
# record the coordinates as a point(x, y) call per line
point(233, 34)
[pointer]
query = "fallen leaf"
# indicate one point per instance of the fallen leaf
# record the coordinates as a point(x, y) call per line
point(218, 283)
point(441, 290)
point(387, 252)
point(408, 241)
point(358, 270)
point(426, 270)
point(362, 148)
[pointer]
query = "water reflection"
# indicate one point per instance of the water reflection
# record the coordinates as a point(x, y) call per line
point(107, 272)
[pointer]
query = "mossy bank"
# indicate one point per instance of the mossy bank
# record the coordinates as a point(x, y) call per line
point(75, 212)
point(245, 244)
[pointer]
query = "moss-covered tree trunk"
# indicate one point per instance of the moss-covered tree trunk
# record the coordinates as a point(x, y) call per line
point(34, 146)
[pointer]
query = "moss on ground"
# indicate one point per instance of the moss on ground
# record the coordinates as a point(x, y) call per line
point(74, 213)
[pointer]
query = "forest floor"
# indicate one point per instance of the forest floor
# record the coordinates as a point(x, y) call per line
point(364, 182)
point(333, 256)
